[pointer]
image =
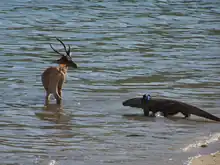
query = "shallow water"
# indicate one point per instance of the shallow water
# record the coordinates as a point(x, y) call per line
point(124, 49)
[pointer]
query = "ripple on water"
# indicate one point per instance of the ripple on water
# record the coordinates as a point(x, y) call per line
point(123, 49)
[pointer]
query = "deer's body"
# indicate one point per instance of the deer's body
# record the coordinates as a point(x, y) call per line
point(53, 77)
point(52, 80)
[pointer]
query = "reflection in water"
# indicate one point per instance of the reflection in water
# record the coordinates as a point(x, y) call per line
point(178, 119)
point(139, 117)
point(55, 113)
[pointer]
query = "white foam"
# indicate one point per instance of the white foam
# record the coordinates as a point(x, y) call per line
point(210, 139)
point(52, 162)
point(191, 158)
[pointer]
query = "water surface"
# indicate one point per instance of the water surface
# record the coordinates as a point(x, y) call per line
point(124, 49)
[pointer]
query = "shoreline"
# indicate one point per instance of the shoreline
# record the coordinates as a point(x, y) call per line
point(207, 154)
point(210, 159)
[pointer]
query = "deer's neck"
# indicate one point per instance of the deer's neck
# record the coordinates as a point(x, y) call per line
point(63, 68)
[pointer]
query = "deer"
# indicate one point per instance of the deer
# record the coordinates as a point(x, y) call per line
point(53, 77)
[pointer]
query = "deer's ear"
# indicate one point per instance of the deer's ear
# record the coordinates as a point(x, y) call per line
point(68, 51)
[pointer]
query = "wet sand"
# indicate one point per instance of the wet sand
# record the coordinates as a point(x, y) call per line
point(211, 159)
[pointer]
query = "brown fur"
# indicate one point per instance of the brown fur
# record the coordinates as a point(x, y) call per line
point(53, 77)
point(52, 80)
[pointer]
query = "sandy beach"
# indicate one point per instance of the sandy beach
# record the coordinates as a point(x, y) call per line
point(211, 159)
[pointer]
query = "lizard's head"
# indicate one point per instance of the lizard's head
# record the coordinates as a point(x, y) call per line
point(134, 102)
point(137, 102)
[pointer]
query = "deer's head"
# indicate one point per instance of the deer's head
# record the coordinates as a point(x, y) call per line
point(66, 58)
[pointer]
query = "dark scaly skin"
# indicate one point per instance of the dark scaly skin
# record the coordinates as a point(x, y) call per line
point(167, 107)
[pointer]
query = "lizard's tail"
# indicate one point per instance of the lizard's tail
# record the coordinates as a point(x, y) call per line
point(199, 112)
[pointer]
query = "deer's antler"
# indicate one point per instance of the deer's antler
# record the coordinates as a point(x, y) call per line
point(55, 50)
point(67, 51)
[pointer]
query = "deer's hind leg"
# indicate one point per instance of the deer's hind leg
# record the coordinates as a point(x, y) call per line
point(47, 97)
point(58, 98)
point(45, 82)
point(58, 94)
point(53, 89)
point(60, 86)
